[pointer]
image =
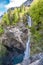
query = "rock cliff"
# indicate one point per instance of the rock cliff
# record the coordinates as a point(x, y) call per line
point(14, 40)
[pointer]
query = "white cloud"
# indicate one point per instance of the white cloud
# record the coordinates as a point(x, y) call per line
point(2, 9)
point(1, 13)
point(15, 3)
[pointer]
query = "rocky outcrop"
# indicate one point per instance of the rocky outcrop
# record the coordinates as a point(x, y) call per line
point(35, 63)
point(38, 62)
point(14, 40)
point(36, 57)
point(27, 3)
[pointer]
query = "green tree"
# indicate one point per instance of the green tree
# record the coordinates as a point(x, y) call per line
point(1, 30)
point(36, 12)
point(5, 19)
point(15, 16)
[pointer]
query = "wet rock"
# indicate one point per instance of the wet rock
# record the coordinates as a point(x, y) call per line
point(40, 62)
point(35, 63)
point(36, 57)
point(34, 60)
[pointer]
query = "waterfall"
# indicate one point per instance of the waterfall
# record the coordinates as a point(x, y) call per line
point(29, 21)
point(27, 51)
point(26, 59)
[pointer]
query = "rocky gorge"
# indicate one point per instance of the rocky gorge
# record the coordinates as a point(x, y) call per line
point(17, 48)
point(17, 44)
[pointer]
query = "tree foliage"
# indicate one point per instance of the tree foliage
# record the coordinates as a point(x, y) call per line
point(1, 30)
point(14, 16)
point(5, 19)
point(36, 13)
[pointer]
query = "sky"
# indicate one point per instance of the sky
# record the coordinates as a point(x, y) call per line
point(6, 4)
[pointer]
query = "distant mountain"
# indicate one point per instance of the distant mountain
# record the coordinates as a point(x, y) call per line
point(27, 3)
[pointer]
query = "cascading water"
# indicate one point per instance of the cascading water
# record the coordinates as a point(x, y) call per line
point(27, 51)
point(26, 59)
point(29, 21)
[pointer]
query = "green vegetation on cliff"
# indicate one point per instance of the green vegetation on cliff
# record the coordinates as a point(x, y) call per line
point(14, 16)
point(1, 30)
point(36, 13)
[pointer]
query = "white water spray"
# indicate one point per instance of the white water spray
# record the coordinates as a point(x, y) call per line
point(26, 60)
point(27, 51)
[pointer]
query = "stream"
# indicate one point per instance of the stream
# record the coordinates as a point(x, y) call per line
point(27, 51)
point(26, 59)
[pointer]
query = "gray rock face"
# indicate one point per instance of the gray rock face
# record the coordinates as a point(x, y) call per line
point(36, 57)
point(28, 2)
point(14, 40)
point(40, 62)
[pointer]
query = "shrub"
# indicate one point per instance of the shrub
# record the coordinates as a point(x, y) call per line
point(1, 30)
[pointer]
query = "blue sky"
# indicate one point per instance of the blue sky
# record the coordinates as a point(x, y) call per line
point(6, 4)
point(2, 6)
